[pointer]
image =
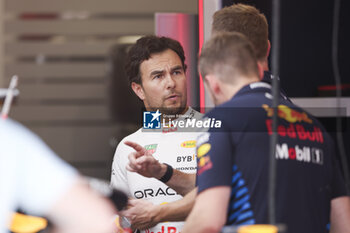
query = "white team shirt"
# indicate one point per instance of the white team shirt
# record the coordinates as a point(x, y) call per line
point(32, 177)
point(177, 149)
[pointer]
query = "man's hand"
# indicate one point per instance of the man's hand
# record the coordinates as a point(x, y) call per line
point(141, 214)
point(142, 162)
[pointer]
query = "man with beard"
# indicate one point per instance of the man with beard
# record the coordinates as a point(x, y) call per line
point(156, 69)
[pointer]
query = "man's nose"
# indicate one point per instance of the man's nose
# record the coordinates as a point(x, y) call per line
point(170, 82)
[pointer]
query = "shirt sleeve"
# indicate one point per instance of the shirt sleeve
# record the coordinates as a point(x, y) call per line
point(119, 173)
point(214, 160)
point(338, 183)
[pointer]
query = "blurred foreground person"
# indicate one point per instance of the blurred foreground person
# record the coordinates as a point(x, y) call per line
point(34, 179)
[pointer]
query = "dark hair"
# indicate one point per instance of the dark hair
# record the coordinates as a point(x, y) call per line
point(143, 50)
point(228, 55)
point(247, 20)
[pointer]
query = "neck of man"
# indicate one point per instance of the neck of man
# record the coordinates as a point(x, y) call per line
point(230, 90)
point(264, 64)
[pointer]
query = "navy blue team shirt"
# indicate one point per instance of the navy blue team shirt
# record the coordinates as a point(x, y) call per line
point(267, 78)
point(237, 155)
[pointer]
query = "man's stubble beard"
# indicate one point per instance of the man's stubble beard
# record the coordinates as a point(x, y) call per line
point(173, 110)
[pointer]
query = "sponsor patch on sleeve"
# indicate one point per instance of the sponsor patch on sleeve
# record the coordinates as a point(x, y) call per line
point(204, 162)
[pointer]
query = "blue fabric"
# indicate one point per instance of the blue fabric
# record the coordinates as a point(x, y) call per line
point(308, 175)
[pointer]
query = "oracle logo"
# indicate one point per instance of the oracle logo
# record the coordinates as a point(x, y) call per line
point(146, 193)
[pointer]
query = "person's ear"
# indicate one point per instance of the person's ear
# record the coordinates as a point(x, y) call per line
point(213, 84)
point(261, 71)
point(268, 48)
point(137, 88)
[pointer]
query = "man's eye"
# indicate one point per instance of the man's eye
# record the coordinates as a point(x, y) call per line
point(157, 76)
point(177, 72)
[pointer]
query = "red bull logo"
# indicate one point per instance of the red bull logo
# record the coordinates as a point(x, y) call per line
point(203, 149)
point(297, 131)
point(288, 114)
point(204, 162)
